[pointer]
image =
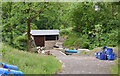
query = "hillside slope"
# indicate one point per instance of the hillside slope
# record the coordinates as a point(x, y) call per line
point(30, 63)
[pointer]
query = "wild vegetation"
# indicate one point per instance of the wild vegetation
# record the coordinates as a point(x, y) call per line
point(89, 28)
point(94, 28)
point(80, 23)
point(30, 63)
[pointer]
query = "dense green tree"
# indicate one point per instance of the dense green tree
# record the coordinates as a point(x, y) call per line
point(7, 22)
point(40, 15)
point(98, 25)
point(90, 27)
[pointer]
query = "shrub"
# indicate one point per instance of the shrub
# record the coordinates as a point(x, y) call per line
point(20, 42)
point(70, 41)
point(64, 32)
point(77, 40)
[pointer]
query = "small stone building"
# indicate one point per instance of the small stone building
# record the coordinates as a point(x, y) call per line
point(45, 38)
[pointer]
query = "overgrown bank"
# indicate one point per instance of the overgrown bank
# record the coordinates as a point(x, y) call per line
point(115, 68)
point(77, 40)
point(30, 63)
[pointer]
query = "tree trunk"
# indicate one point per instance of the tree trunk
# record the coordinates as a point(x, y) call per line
point(28, 34)
point(11, 36)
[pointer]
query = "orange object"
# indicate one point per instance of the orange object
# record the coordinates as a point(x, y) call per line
point(1, 65)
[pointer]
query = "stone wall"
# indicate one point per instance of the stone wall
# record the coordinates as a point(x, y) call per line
point(49, 44)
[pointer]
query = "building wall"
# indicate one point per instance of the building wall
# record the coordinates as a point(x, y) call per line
point(39, 40)
point(49, 44)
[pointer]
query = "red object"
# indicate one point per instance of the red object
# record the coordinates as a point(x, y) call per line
point(8, 69)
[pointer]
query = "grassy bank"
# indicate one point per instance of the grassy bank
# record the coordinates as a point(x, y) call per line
point(115, 68)
point(30, 63)
point(77, 40)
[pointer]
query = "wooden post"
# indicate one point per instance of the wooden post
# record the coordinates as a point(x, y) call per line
point(28, 33)
point(56, 38)
point(44, 41)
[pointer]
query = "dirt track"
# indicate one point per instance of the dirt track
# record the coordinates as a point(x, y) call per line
point(82, 64)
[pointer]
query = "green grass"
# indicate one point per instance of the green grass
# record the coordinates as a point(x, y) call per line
point(72, 41)
point(30, 63)
point(114, 69)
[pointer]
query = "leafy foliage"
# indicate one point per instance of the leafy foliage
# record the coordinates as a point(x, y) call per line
point(20, 42)
point(95, 28)
point(91, 28)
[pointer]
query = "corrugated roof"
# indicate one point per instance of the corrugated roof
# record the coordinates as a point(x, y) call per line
point(44, 32)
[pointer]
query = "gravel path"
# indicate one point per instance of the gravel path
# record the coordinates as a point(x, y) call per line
point(82, 64)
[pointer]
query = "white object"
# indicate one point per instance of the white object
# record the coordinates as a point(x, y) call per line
point(43, 51)
point(83, 50)
point(98, 53)
point(95, 53)
point(97, 8)
point(38, 47)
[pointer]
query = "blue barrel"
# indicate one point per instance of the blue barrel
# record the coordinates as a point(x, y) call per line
point(71, 51)
point(104, 47)
point(12, 67)
point(109, 51)
point(110, 57)
point(18, 73)
point(102, 57)
point(3, 65)
point(4, 71)
point(103, 51)
point(1, 71)
point(96, 54)
point(99, 54)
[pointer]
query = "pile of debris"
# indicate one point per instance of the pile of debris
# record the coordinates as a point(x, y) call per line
point(41, 50)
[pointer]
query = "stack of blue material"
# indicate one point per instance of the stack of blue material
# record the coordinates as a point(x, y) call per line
point(71, 51)
point(67, 51)
point(106, 54)
point(110, 54)
point(6, 69)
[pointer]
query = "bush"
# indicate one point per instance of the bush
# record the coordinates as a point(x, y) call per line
point(64, 32)
point(20, 42)
point(85, 43)
point(70, 41)
point(76, 41)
